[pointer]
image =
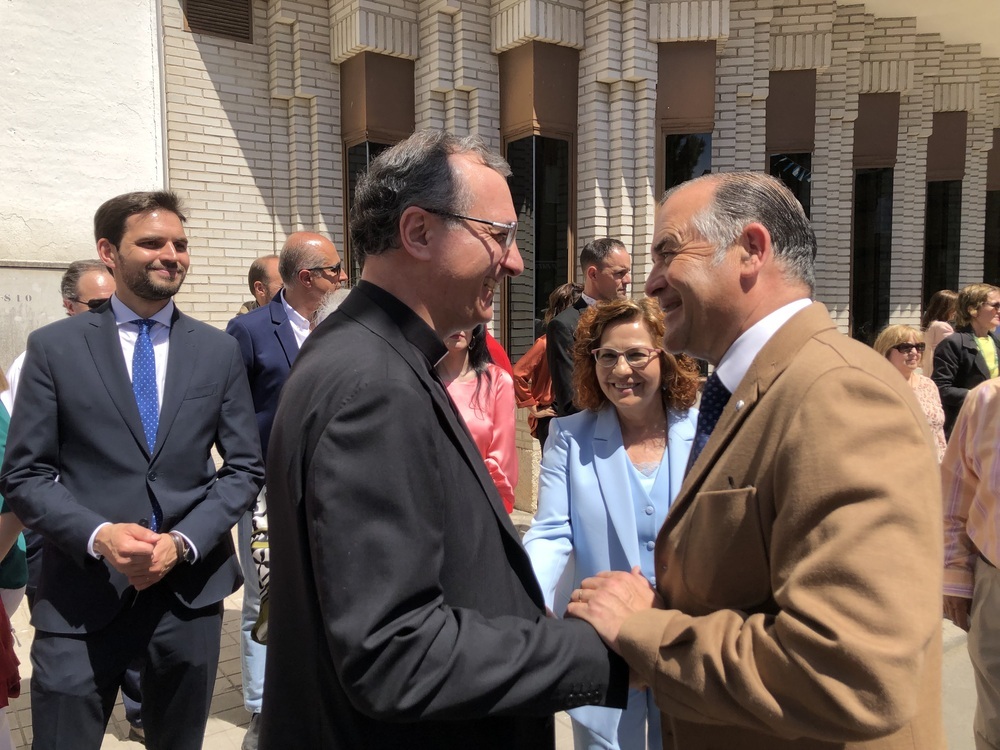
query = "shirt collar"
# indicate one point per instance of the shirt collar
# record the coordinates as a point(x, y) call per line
point(737, 360)
point(293, 315)
point(125, 314)
point(412, 326)
point(589, 300)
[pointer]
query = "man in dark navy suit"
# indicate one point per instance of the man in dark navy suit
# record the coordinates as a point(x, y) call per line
point(110, 459)
point(269, 339)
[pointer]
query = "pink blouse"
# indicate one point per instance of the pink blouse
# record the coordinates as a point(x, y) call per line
point(491, 421)
point(936, 332)
point(930, 401)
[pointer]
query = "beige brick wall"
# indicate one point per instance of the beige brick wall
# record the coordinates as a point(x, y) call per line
point(253, 129)
point(252, 143)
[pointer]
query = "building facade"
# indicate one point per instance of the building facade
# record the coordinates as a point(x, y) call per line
point(263, 113)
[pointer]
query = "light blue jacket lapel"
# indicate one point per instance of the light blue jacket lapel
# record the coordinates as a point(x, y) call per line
point(611, 467)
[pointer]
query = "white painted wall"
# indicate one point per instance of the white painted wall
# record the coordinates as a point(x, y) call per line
point(80, 119)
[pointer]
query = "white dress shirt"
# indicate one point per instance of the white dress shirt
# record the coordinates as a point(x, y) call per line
point(737, 360)
point(300, 326)
point(159, 334)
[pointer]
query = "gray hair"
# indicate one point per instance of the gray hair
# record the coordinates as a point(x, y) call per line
point(414, 172)
point(742, 198)
point(296, 256)
point(70, 284)
point(330, 302)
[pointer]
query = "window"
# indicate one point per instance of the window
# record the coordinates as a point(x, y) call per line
point(540, 185)
point(942, 232)
point(686, 156)
point(358, 157)
point(991, 257)
point(795, 170)
point(232, 19)
point(872, 252)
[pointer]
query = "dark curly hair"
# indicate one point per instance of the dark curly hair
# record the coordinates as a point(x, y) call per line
point(679, 374)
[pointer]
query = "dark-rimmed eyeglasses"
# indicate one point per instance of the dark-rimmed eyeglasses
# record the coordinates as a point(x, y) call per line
point(335, 270)
point(509, 228)
point(994, 305)
point(907, 348)
point(93, 304)
point(636, 357)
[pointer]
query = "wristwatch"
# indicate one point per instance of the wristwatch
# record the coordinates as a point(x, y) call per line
point(182, 547)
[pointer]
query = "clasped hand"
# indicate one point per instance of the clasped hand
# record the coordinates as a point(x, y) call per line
point(609, 598)
point(143, 556)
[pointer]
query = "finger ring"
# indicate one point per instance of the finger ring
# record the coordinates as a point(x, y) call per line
point(579, 595)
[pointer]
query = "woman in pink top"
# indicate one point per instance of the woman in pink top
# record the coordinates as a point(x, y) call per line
point(903, 347)
point(484, 396)
point(937, 324)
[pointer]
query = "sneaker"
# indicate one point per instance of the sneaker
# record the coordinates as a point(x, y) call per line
point(253, 730)
point(137, 734)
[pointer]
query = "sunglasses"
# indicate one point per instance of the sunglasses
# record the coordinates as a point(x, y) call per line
point(994, 305)
point(335, 270)
point(907, 348)
point(93, 304)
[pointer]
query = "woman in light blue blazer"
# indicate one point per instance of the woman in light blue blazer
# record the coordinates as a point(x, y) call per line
point(608, 476)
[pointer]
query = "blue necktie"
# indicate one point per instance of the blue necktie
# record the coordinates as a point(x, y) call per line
point(144, 388)
point(713, 401)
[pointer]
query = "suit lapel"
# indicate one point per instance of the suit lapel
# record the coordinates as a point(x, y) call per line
point(766, 367)
point(680, 436)
point(283, 330)
point(180, 367)
point(106, 349)
point(611, 467)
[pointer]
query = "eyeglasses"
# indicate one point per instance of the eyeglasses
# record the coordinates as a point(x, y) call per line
point(994, 305)
point(335, 270)
point(907, 348)
point(93, 304)
point(637, 357)
point(510, 228)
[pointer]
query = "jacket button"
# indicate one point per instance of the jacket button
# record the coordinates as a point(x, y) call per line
point(151, 476)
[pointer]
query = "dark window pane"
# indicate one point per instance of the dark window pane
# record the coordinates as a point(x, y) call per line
point(942, 232)
point(795, 170)
point(686, 157)
point(358, 157)
point(540, 186)
point(991, 257)
point(872, 253)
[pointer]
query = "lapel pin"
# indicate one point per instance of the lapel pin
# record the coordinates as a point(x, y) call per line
point(739, 405)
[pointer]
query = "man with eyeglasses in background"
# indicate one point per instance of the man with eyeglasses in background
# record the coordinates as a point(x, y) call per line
point(607, 273)
point(269, 339)
point(86, 285)
point(404, 610)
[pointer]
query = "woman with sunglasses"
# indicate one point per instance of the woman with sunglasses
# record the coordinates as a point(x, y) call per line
point(608, 476)
point(971, 354)
point(904, 347)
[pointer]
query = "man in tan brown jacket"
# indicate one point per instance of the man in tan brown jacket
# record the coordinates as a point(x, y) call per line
point(798, 593)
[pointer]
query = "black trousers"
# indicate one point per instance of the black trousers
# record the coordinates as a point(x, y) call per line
point(75, 679)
